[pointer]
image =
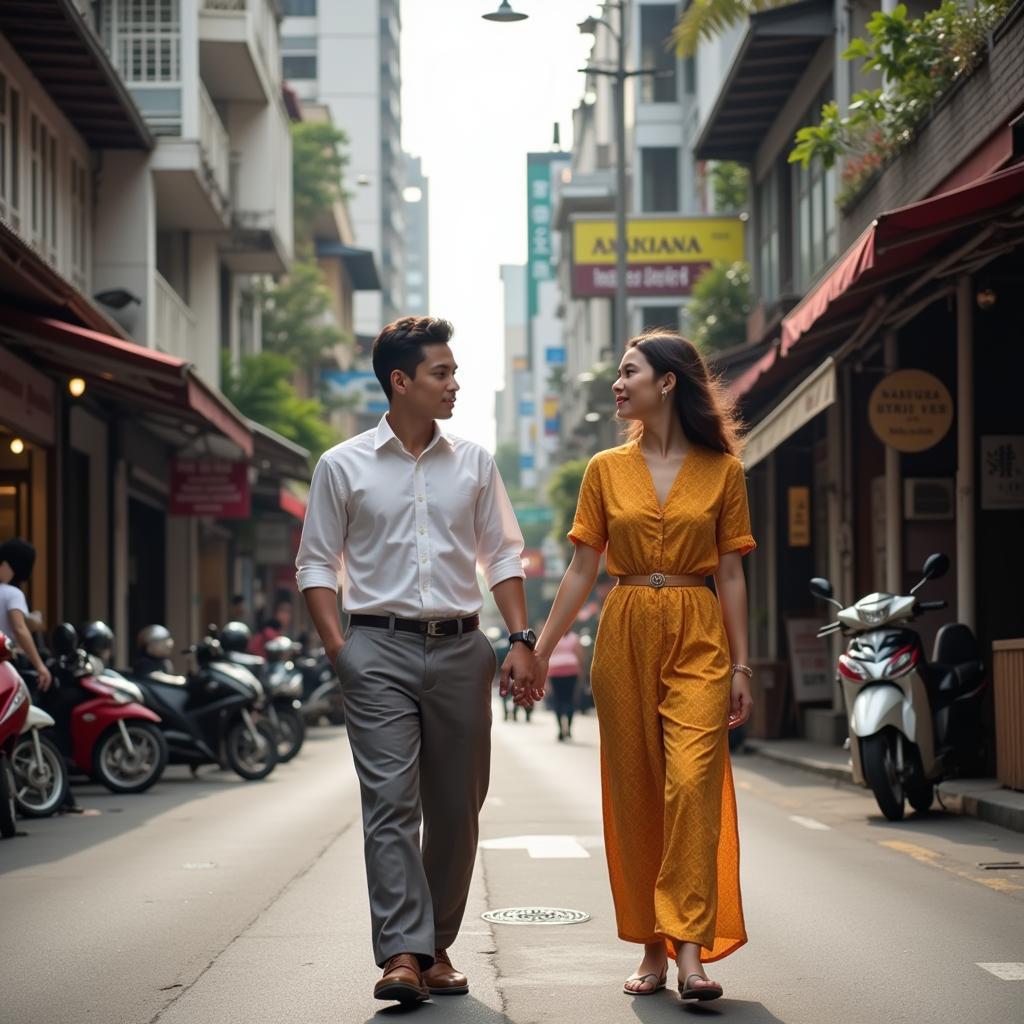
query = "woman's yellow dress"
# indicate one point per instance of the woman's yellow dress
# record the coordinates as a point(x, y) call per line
point(661, 679)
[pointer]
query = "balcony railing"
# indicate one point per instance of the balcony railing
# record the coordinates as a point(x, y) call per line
point(214, 143)
point(176, 327)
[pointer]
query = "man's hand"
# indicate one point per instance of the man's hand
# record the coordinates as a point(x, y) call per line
point(519, 677)
point(44, 678)
point(334, 653)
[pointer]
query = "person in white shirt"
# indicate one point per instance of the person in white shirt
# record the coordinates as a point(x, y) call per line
point(17, 558)
point(405, 514)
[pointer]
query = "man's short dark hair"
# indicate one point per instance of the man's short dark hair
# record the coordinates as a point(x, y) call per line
point(400, 346)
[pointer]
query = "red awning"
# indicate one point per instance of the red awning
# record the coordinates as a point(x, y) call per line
point(142, 376)
point(897, 245)
point(292, 504)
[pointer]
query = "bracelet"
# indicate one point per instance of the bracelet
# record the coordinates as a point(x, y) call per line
point(745, 670)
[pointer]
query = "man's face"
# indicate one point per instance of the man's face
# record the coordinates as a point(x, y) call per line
point(6, 573)
point(431, 393)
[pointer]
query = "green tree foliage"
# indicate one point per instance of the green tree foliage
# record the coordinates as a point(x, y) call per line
point(318, 163)
point(563, 493)
point(719, 306)
point(730, 186)
point(261, 389)
point(705, 19)
point(296, 316)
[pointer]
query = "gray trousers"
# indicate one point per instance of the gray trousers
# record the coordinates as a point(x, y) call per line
point(418, 715)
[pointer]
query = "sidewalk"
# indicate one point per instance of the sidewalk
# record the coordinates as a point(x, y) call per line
point(978, 798)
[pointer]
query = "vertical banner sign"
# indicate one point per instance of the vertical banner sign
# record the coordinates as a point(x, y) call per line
point(538, 213)
point(799, 517)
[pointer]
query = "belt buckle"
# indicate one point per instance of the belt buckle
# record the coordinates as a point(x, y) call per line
point(657, 580)
point(434, 627)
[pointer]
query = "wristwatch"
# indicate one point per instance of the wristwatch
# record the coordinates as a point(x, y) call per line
point(524, 636)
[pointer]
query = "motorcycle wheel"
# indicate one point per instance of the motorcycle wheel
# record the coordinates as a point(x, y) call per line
point(39, 788)
point(247, 758)
point(879, 758)
point(920, 797)
point(122, 772)
point(8, 825)
point(291, 732)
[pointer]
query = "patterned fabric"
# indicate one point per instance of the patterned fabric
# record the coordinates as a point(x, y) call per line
point(661, 683)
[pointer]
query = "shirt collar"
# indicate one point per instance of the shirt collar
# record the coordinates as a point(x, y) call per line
point(385, 435)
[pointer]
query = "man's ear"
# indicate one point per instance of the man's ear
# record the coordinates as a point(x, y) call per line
point(399, 382)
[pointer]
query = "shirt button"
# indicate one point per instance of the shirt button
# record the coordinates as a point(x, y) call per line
point(423, 529)
point(419, 497)
point(424, 559)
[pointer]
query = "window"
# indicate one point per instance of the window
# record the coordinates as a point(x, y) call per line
point(660, 183)
point(295, 68)
point(768, 247)
point(656, 24)
point(10, 154)
point(297, 8)
point(814, 209)
point(144, 39)
point(79, 225)
point(43, 188)
point(666, 317)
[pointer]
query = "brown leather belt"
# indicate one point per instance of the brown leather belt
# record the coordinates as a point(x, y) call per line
point(657, 580)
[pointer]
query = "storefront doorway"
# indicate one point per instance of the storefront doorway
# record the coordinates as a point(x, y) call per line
point(147, 576)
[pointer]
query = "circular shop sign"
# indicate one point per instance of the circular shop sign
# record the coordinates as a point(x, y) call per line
point(911, 410)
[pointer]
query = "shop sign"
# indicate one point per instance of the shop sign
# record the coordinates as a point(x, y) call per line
point(27, 400)
point(210, 487)
point(540, 253)
point(911, 410)
point(535, 515)
point(665, 256)
point(1002, 472)
point(799, 517)
point(274, 543)
point(359, 390)
point(809, 661)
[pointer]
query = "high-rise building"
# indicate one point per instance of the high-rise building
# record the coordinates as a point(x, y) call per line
point(416, 216)
point(346, 56)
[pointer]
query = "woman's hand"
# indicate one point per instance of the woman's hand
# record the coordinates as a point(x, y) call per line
point(741, 703)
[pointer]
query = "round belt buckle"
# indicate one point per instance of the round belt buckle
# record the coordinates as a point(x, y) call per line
point(657, 580)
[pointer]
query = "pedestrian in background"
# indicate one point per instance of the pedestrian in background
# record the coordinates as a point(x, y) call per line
point(406, 513)
point(565, 671)
point(17, 559)
point(668, 674)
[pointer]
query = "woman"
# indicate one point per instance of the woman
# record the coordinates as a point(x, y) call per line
point(669, 675)
point(565, 668)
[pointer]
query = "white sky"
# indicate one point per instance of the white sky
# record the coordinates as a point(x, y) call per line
point(476, 97)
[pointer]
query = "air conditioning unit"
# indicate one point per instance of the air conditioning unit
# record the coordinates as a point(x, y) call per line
point(928, 498)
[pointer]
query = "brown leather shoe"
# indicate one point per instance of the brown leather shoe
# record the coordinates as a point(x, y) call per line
point(442, 979)
point(402, 980)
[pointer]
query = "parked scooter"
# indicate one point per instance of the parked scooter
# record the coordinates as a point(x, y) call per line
point(912, 722)
point(321, 689)
point(211, 715)
point(281, 681)
point(40, 774)
point(101, 725)
point(14, 706)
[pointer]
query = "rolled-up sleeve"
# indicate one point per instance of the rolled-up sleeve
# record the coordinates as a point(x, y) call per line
point(499, 541)
point(318, 562)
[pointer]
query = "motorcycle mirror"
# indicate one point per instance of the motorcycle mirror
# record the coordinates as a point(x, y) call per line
point(936, 566)
point(64, 639)
point(820, 587)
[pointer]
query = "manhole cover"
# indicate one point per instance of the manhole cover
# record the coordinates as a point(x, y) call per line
point(536, 915)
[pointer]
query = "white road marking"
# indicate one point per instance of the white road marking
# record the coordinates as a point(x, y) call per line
point(540, 847)
point(1008, 972)
point(810, 823)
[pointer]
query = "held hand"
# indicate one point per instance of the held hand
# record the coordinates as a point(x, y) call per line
point(519, 676)
point(741, 703)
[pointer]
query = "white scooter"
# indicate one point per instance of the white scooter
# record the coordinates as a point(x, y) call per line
point(40, 774)
point(912, 722)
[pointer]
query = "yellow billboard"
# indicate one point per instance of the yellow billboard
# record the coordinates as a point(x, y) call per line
point(665, 255)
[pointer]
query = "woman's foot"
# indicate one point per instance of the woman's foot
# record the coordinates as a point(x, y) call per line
point(650, 976)
point(693, 982)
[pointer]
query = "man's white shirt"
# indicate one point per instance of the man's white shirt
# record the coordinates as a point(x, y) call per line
point(406, 535)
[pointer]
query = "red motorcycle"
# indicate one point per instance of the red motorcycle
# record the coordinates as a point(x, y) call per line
point(14, 706)
point(101, 723)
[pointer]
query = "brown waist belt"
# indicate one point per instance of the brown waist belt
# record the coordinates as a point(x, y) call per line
point(657, 580)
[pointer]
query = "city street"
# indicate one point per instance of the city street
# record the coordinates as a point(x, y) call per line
point(213, 901)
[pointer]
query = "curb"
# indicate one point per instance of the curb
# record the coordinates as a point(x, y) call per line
point(838, 772)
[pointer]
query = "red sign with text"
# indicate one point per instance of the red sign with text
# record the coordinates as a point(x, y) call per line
point(210, 487)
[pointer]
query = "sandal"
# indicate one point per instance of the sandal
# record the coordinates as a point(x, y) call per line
point(659, 983)
point(710, 991)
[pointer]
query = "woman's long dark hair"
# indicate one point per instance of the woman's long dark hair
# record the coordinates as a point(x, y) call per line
point(706, 410)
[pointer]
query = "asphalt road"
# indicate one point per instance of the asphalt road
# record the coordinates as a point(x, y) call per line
point(214, 901)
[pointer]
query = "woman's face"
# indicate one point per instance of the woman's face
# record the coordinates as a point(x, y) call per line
point(637, 390)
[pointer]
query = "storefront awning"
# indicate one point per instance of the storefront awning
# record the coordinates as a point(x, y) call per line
point(359, 263)
point(292, 504)
point(277, 456)
point(152, 380)
point(906, 243)
point(812, 396)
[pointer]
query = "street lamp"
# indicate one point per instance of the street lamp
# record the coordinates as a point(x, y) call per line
point(589, 27)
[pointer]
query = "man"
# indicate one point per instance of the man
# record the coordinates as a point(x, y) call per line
point(406, 513)
point(17, 559)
